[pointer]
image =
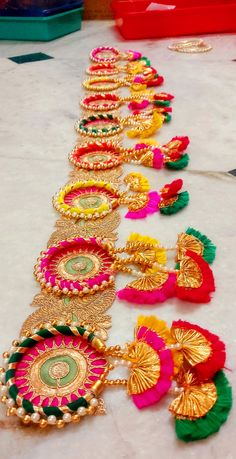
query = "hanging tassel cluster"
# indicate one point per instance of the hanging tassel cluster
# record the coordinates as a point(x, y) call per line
point(169, 201)
point(191, 280)
point(190, 359)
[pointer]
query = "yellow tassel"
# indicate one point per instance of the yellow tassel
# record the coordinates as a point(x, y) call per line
point(138, 87)
point(152, 142)
point(137, 182)
point(156, 123)
point(157, 325)
point(136, 237)
point(160, 252)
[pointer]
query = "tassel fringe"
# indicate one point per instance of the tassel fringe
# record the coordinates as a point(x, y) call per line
point(180, 203)
point(187, 430)
point(209, 251)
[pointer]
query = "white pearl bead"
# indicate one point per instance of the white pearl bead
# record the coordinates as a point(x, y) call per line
point(10, 403)
point(52, 419)
point(47, 325)
point(65, 290)
point(75, 291)
point(56, 288)
point(20, 412)
point(93, 402)
point(74, 324)
point(95, 287)
point(116, 362)
point(22, 338)
point(60, 323)
point(48, 284)
point(3, 390)
point(85, 290)
point(35, 417)
point(66, 417)
point(81, 411)
point(3, 377)
point(5, 361)
point(35, 330)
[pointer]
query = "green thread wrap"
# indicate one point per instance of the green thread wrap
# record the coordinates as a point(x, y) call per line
point(204, 427)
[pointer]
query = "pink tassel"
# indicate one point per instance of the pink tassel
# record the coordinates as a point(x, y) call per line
point(155, 393)
point(150, 208)
point(138, 105)
point(158, 158)
point(134, 55)
point(160, 295)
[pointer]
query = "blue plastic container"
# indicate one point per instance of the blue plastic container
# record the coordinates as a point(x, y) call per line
point(35, 8)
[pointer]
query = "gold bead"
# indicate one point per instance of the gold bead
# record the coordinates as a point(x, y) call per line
point(60, 424)
point(12, 411)
point(15, 343)
point(91, 410)
point(2, 370)
point(75, 418)
point(4, 399)
point(26, 419)
point(43, 423)
point(28, 334)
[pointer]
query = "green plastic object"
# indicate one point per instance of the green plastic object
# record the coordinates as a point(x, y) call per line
point(40, 28)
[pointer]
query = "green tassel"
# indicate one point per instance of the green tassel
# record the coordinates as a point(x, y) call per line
point(201, 428)
point(146, 60)
point(162, 103)
point(180, 203)
point(167, 117)
point(179, 164)
point(209, 251)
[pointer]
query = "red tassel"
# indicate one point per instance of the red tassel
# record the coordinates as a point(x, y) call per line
point(171, 189)
point(163, 96)
point(155, 82)
point(202, 293)
point(183, 143)
point(216, 361)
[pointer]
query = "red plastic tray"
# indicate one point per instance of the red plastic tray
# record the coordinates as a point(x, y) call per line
point(190, 17)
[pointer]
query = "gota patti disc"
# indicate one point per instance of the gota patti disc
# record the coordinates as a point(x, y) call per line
point(105, 54)
point(54, 371)
point(95, 155)
point(103, 84)
point(86, 200)
point(102, 69)
point(99, 125)
point(101, 102)
point(76, 266)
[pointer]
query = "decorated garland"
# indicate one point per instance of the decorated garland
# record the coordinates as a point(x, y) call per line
point(78, 267)
point(56, 376)
point(55, 372)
